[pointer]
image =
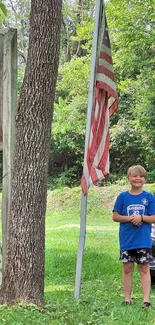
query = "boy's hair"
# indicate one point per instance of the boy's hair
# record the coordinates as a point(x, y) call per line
point(138, 170)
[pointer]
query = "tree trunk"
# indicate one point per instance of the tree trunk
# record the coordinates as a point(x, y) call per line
point(80, 21)
point(66, 29)
point(23, 278)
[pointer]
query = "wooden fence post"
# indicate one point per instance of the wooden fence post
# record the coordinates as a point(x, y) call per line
point(1, 135)
point(1, 87)
point(8, 37)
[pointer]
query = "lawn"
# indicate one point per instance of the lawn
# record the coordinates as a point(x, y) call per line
point(101, 288)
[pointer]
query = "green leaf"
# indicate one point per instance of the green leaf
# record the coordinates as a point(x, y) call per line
point(3, 9)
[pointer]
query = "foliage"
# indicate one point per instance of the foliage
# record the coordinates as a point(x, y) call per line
point(145, 102)
point(151, 176)
point(126, 146)
point(101, 291)
point(68, 128)
point(3, 8)
point(59, 179)
point(131, 26)
point(3, 12)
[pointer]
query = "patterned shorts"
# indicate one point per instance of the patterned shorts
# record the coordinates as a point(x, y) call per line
point(139, 256)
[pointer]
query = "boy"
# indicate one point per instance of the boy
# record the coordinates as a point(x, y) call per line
point(135, 210)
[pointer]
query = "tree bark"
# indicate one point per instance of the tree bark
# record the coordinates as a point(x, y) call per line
point(23, 278)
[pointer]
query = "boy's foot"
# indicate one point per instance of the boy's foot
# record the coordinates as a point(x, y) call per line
point(126, 303)
point(146, 305)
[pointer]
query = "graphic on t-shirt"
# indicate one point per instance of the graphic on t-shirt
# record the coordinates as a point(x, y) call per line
point(137, 209)
point(145, 201)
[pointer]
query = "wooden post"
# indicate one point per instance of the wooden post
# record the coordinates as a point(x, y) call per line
point(1, 86)
point(8, 37)
point(1, 136)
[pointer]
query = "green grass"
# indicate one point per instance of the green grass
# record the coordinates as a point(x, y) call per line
point(101, 289)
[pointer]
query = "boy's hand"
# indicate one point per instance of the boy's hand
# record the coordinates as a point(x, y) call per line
point(136, 219)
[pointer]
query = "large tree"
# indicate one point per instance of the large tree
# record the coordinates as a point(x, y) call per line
point(23, 277)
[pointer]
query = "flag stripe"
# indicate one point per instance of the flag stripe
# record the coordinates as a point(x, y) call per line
point(106, 57)
point(106, 72)
point(102, 128)
point(97, 123)
point(105, 153)
point(104, 63)
point(103, 80)
point(105, 48)
point(101, 84)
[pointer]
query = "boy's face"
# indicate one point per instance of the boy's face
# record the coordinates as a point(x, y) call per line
point(136, 181)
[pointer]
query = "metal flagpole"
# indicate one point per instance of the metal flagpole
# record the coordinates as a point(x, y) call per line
point(88, 126)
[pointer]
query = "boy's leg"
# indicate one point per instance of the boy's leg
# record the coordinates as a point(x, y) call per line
point(128, 269)
point(144, 271)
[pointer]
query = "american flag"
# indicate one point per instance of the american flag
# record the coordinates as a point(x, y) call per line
point(96, 164)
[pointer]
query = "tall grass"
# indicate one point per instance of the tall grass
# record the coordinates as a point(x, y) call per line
point(101, 288)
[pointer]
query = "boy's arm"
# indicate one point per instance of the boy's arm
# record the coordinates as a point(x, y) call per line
point(119, 218)
point(149, 219)
point(134, 219)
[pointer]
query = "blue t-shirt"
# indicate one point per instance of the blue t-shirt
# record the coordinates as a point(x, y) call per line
point(131, 236)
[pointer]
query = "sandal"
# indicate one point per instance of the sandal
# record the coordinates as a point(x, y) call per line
point(146, 305)
point(126, 303)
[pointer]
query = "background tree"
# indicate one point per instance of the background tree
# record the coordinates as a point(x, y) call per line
point(23, 277)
